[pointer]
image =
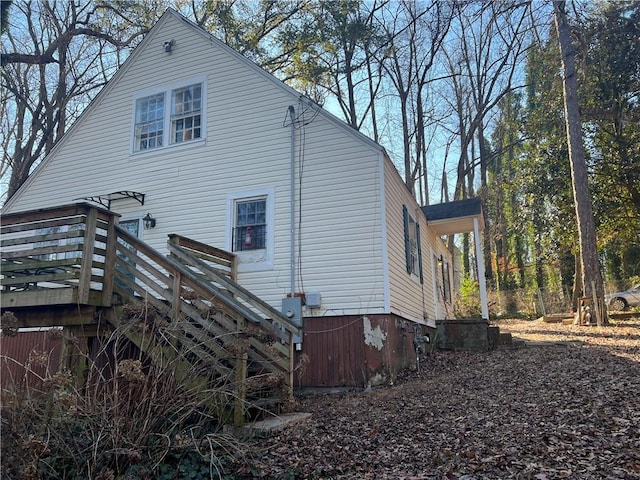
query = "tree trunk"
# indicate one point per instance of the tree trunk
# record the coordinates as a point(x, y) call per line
point(582, 198)
point(577, 284)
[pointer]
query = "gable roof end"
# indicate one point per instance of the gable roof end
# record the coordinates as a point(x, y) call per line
point(96, 100)
point(272, 78)
point(219, 43)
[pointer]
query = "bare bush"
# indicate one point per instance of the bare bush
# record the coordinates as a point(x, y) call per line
point(130, 419)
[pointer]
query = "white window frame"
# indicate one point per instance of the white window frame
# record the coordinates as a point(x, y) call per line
point(169, 117)
point(133, 217)
point(137, 137)
point(259, 259)
point(249, 235)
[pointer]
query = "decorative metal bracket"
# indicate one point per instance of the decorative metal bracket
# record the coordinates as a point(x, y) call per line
point(106, 199)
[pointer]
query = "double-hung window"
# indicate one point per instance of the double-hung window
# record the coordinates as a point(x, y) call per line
point(446, 281)
point(251, 228)
point(186, 106)
point(412, 246)
point(158, 125)
point(250, 224)
point(149, 128)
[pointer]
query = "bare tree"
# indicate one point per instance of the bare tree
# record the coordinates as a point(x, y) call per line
point(340, 58)
point(416, 32)
point(491, 41)
point(57, 57)
point(591, 274)
point(4, 14)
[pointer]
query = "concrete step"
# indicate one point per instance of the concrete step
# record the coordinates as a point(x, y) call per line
point(266, 427)
point(473, 335)
point(505, 339)
point(493, 337)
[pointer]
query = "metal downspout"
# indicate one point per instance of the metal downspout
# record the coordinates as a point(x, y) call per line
point(292, 201)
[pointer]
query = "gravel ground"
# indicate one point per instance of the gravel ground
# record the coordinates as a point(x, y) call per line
point(566, 406)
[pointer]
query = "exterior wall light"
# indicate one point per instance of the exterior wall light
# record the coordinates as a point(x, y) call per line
point(168, 45)
point(149, 221)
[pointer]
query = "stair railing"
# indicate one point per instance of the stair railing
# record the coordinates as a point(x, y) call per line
point(194, 284)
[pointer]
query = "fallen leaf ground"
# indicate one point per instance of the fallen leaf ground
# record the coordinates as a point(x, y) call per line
point(565, 406)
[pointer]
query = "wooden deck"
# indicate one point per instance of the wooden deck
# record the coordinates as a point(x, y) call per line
point(73, 266)
point(58, 256)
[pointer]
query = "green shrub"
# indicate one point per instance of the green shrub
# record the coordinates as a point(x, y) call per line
point(467, 301)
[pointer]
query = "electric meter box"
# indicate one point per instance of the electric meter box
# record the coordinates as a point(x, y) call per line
point(292, 309)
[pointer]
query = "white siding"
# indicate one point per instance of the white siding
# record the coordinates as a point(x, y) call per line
point(246, 147)
point(341, 228)
point(408, 297)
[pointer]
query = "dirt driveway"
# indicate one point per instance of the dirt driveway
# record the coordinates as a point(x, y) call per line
point(567, 406)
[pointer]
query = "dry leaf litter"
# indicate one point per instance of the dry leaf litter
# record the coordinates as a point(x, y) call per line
point(565, 406)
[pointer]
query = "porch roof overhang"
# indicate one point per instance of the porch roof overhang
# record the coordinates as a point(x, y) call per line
point(454, 217)
point(462, 216)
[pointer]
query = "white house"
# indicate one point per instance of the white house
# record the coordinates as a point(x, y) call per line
point(212, 147)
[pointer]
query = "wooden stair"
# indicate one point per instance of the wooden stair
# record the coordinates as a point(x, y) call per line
point(215, 323)
point(184, 310)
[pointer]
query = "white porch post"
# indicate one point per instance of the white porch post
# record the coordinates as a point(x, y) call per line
point(480, 266)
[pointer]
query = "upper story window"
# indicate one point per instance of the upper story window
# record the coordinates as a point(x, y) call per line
point(158, 125)
point(149, 122)
point(185, 113)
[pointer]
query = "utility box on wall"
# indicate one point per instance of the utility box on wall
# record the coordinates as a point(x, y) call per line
point(313, 300)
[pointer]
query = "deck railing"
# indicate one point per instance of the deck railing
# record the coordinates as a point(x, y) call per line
point(68, 251)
